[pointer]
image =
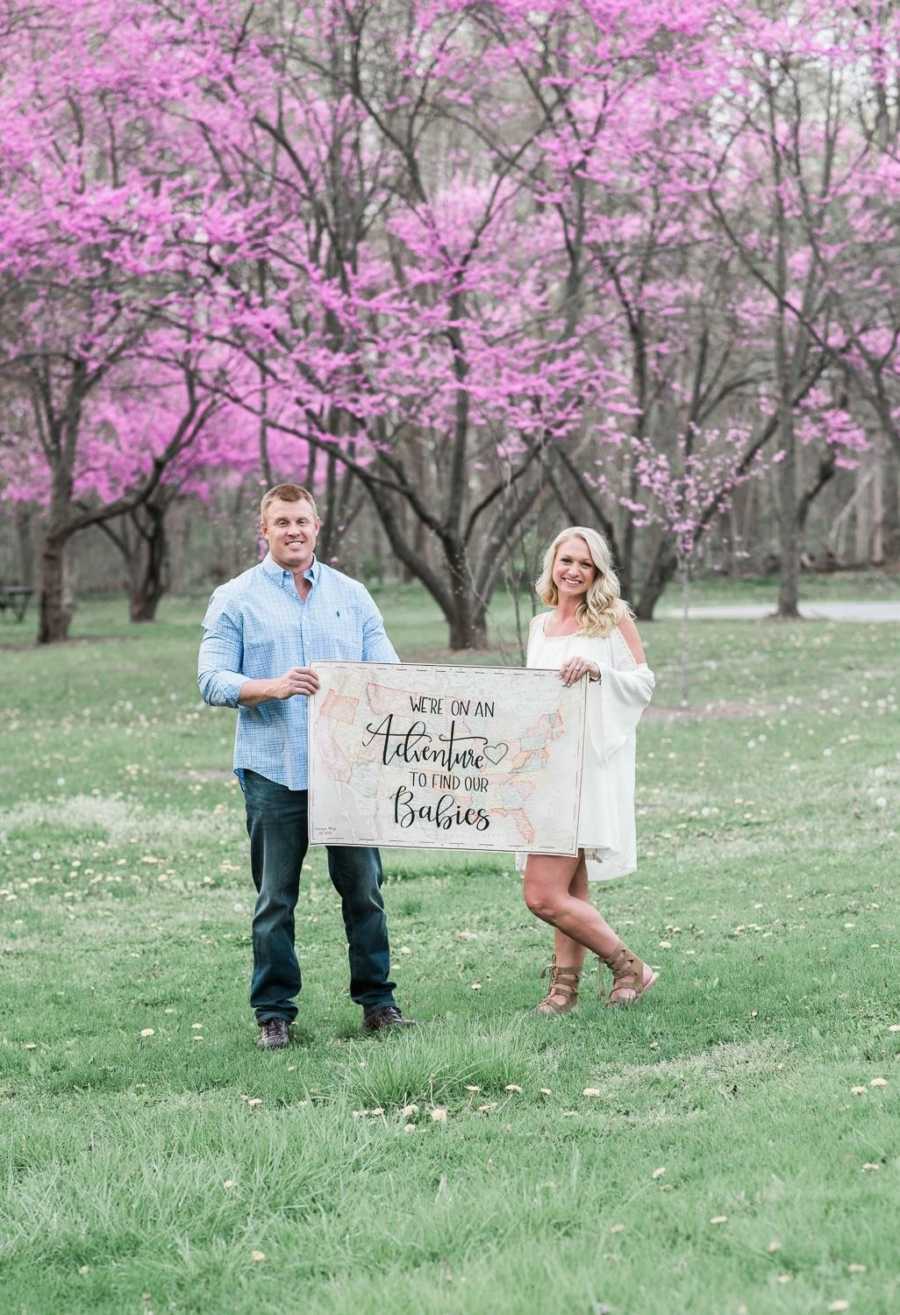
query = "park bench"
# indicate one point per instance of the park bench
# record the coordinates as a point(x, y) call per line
point(14, 598)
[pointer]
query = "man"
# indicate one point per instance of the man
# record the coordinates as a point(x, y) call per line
point(262, 632)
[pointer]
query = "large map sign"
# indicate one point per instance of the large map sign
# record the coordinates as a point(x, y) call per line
point(445, 757)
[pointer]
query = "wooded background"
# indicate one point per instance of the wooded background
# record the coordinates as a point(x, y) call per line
point(471, 271)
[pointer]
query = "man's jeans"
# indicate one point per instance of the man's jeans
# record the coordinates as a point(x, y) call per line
point(278, 830)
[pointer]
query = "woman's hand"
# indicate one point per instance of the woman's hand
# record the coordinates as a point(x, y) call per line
point(577, 667)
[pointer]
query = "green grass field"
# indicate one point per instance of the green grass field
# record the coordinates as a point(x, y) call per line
point(729, 1147)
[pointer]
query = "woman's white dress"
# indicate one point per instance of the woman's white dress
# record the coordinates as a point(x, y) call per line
point(606, 828)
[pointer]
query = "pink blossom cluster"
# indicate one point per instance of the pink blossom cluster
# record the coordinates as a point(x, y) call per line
point(483, 230)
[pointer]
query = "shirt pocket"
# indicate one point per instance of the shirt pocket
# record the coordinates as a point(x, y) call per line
point(259, 658)
point(273, 652)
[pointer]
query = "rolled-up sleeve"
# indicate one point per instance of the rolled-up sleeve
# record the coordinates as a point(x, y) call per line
point(376, 645)
point(221, 656)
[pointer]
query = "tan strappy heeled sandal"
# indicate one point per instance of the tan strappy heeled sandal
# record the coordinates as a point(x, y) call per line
point(562, 993)
point(630, 975)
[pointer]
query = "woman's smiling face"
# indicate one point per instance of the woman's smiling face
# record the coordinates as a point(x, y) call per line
point(573, 569)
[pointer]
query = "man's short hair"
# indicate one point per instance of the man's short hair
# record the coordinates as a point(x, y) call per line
point(285, 493)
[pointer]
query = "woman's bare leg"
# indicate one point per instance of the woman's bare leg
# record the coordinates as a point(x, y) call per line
point(548, 893)
point(548, 882)
point(570, 953)
point(553, 892)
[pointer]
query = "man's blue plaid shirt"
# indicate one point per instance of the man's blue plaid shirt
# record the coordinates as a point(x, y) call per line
point(257, 627)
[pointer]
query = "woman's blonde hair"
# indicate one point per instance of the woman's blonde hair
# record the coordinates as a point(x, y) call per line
point(602, 607)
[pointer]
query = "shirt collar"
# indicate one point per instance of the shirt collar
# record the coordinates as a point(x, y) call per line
point(271, 567)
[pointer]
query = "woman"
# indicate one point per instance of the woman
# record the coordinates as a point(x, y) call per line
point(590, 635)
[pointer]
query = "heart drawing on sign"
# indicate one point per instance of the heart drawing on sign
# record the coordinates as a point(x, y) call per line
point(495, 753)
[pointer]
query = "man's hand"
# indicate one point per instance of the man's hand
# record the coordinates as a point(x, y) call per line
point(298, 680)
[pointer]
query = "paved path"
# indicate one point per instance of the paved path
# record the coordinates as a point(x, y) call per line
point(812, 611)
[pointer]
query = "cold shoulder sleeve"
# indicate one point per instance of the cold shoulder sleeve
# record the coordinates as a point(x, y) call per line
point(616, 704)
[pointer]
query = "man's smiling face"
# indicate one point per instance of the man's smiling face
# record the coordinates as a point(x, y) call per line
point(291, 530)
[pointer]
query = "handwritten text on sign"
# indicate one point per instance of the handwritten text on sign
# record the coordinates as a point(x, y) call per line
point(445, 757)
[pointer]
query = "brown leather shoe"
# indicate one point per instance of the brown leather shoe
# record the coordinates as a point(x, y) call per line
point(273, 1034)
point(632, 978)
point(380, 1018)
point(562, 994)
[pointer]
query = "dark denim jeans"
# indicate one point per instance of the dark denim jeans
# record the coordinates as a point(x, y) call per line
point(278, 830)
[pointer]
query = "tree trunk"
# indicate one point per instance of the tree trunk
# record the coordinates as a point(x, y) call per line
point(662, 569)
point(25, 538)
point(327, 545)
point(468, 628)
point(149, 571)
point(467, 615)
point(876, 537)
point(890, 506)
point(790, 359)
point(144, 599)
point(684, 572)
point(865, 519)
point(420, 546)
point(415, 529)
point(376, 552)
point(56, 604)
point(789, 538)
